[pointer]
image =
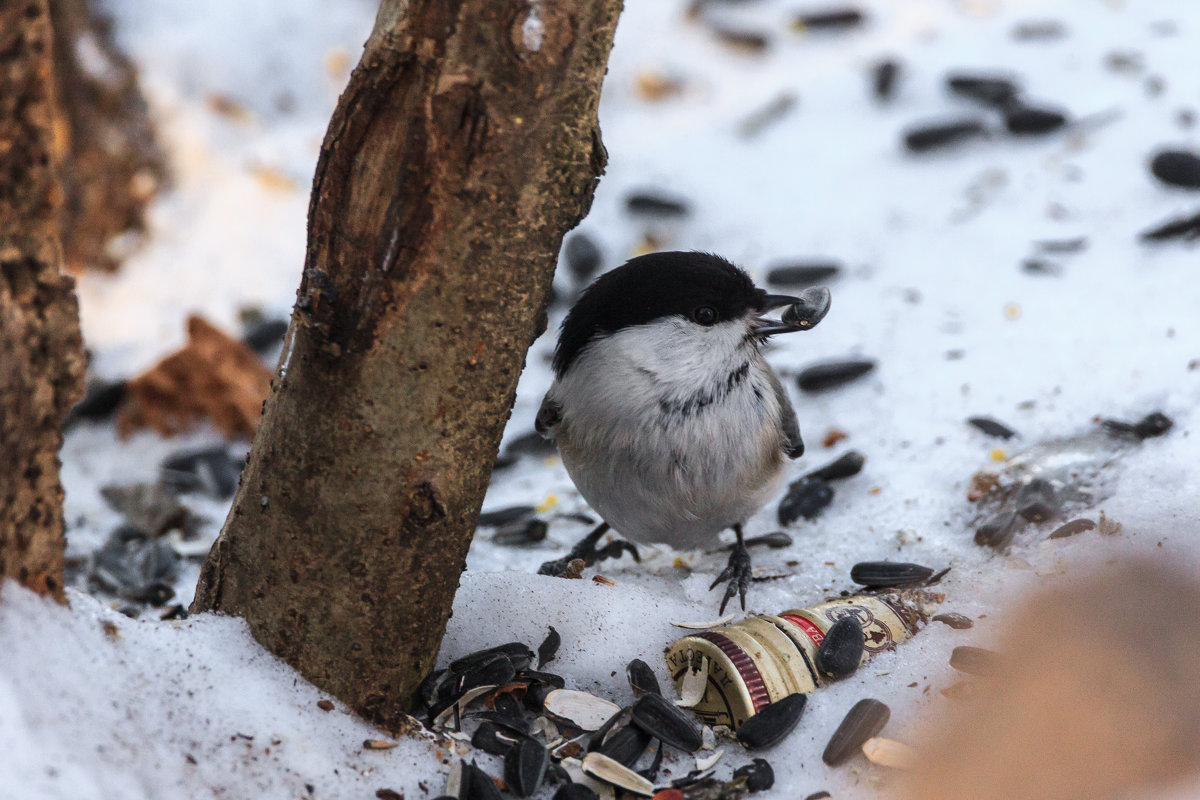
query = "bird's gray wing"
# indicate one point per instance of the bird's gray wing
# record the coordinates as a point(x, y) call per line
point(789, 426)
point(549, 415)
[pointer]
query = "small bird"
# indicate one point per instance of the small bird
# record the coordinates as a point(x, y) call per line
point(666, 415)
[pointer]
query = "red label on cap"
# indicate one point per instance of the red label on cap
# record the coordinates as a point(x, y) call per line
point(810, 630)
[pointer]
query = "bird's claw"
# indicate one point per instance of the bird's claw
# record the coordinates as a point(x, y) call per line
point(738, 573)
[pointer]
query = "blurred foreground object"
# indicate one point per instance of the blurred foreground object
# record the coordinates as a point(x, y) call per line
point(110, 163)
point(464, 147)
point(1097, 696)
point(213, 376)
point(41, 357)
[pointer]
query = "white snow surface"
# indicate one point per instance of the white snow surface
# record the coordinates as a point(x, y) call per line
point(932, 245)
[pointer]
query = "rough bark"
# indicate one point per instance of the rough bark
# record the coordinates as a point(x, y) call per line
point(111, 165)
point(41, 357)
point(457, 158)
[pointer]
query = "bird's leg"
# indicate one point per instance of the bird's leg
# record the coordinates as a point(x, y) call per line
point(737, 572)
point(589, 553)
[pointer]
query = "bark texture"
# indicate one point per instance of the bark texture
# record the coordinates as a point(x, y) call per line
point(41, 357)
point(464, 147)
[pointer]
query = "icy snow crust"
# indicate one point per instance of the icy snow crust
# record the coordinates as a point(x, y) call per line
point(933, 245)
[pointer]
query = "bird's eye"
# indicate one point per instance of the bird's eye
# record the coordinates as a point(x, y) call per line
point(705, 315)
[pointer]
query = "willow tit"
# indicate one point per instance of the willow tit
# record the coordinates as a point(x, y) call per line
point(666, 415)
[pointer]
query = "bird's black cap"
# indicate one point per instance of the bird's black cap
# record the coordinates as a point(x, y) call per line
point(652, 287)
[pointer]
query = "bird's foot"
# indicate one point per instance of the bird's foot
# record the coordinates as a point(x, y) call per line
point(737, 572)
point(587, 552)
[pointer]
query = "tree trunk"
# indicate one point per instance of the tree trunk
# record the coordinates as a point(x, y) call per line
point(41, 358)
point(464, 147)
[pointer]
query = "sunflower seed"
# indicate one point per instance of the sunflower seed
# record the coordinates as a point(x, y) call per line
point(991, 427)
point(99, 402)
point(1030, 121)
point(516, 652)
point(503, 516)
point(771, 725)
point(655, 204)
point(625, 743)
point(958, 622)
point(513, 723)
point(975, 660)
point(641, 678)
point(809, 309)
point(582, 256)
point(990, 90)
point(757, 121)
point(739, 39)
point(848, 465)
point(889, 753)
point(650, 773)
point(549, 647)
point(807, 273)
point(575, 791)
point(1071, 528)
point(693, 685)
point(880, 574)
point(883, 79)
point(1042, 30)
point(489, 738)
point(841, 651)
point(579, 709)
point(864, 720)
point(758, 774)
point(480, 785)
point(211, 471)
point(933, 136)
point(1187, 228)
point(525, 766)
point(833, 19)
point(665, 721)
point(807, 498)
point(774, 540)
point(998, 531)
point(603, 768)
point(1177, 168)
point(831, 374)
point(1037, 501)
point(264, 335)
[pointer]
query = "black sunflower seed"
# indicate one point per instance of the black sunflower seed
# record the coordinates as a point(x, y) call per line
point(880, 574)
point(265, 334)
point(625, 744)
point(1037, 501)
point(959, 622)
point(883, 79)
point(775, 540)
point(809, 273)
point(849, 464)
point(932, 136)
point(975, 660)
point(738, 38)
point(1178, 228)
point(864, 720)
point(519, 534)
point(210, 470)
point(582, 256)
point(99, 402)
point(1177, 168)
point(515, 651)
point(489, 738)
point(497, 670)
point(831, 374)
point(479, 785)
point(650, 773)
point(1031, 121)
point(513, 722)
point(575, 791)
point(530, 444)
point(549, 647)
point(1072, 528)
point(992, 427)
point(997, 532)
point(655, 204)
point(771, 725)
point(841, 651)
point(664, 720)
point(832, 19)
point(758, 774)
point(807, 498)
point(503, 516)
point(525, 766)
point(641, 678)
point(1153, 424)
point(990, 90)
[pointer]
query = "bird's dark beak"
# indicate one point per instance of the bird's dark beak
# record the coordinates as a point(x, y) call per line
point(802, 312)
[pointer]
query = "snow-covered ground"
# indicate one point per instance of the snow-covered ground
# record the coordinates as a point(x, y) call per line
point(95, 704)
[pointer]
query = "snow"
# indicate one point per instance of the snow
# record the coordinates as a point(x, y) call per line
point(932, 244)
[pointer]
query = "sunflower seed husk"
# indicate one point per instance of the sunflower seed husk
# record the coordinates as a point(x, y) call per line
point(650, 773)
point(665, 721)
point(514, 651)
point(603, 768)
point(1177, 168)
point(521, 533)
point(932, 136)
point(496, 670)
point(579, 709)
point(889, 753)
point(525, 766)
point(771, 725)
point(480, 784)
point(881, 574)
point(864, 720)
point(1037, 501)
point(453, 711)
point(1072, 528)
point(693, 685)
point(549, 647)
point(832, 374)
point(378, 744)
point(845, 466)
point(575, 791)
point(457, 780)
point(574, 769)
point(992, 427)
point(510, 722)
point(998, 531)
point(841, 650)
point(489, 738)
point(806, 497)
point(993, 91)
point(641, 678)
point(959, 622)
point(758, 774)
point(1176, 228)
point(975, 660)
point(704, 625)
